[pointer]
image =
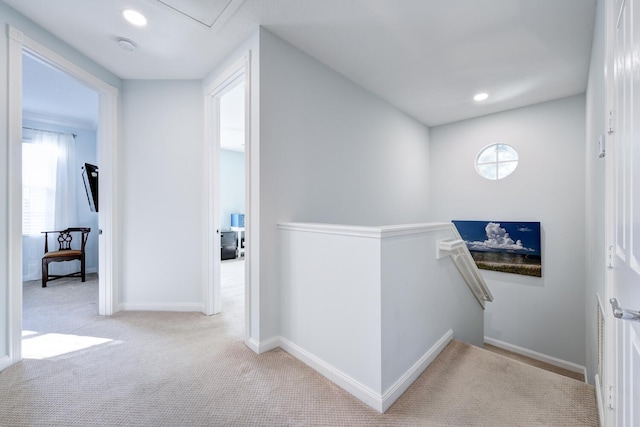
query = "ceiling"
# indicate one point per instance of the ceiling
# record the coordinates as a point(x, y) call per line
point(426, 57)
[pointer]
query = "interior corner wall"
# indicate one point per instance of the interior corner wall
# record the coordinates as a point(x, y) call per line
point(162, 183)
point(8, 16)
point(330, 152)
point(595, 191)
point(546, 314)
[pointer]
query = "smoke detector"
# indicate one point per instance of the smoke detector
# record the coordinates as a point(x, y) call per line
point(126, 44)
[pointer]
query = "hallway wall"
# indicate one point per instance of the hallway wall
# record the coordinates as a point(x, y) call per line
point(544, 314)
point(330, 152)
point(161, 171)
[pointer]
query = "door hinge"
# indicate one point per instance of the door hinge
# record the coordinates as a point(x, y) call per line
point(610, 401)
point(610, 127)
point(610, 257)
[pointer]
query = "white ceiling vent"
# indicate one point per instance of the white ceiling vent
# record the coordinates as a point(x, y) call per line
point(209, 13)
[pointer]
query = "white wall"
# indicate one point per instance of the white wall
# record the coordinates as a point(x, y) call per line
point(331, 301)
point(162, 195)
point(35, 32)
point(371, 307)
point(329, 152)
point(422, 299)
point(595, 191)
point(231, 186)
point(545, 314)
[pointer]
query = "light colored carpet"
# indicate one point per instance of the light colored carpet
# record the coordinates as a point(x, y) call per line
point(186, 369)
point(534, 362)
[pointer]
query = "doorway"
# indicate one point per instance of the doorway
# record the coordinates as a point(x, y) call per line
point(20, 44)
point(59, 136)
point(230, 91)
point(231, 207)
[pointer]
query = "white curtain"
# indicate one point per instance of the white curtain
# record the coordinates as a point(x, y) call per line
point(50, 157)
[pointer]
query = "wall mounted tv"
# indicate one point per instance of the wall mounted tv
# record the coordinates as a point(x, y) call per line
point(90, 179)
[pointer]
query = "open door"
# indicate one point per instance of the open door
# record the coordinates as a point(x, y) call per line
point(622, 334)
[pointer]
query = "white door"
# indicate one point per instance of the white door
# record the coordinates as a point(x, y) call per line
point(623, 200)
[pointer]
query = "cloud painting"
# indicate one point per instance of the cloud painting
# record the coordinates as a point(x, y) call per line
point(511, 247)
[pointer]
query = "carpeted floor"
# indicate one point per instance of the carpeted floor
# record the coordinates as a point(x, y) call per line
point(533, 362)
point(186, 369)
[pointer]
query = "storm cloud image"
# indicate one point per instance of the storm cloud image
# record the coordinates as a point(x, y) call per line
point(498, 239)
point(510, 247)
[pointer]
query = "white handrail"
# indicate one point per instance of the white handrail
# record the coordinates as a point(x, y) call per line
point(459, 253)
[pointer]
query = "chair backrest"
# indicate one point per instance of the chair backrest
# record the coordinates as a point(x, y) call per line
point(65, 238)
point(85, 234)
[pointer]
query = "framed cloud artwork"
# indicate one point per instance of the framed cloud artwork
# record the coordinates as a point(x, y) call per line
point(510, 247)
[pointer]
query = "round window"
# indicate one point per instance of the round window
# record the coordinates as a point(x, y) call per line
point(496, 161)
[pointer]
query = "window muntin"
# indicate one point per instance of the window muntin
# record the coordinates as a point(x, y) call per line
point(496, 161)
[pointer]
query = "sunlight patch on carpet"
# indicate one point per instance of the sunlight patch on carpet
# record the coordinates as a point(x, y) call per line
point(51, 345)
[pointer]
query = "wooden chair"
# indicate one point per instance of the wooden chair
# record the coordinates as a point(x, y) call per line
point(64, 253)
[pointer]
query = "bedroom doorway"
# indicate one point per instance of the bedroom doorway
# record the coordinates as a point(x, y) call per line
point(231, 207)
point(20, 43)
point(231, 212)
point(59, 136)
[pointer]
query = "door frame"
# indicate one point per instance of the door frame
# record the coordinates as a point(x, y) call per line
point(238, 70)
point(107, 155)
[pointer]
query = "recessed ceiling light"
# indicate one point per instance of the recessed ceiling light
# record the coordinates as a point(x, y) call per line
point(126, 44)
point(134, 17)
point(481, 96)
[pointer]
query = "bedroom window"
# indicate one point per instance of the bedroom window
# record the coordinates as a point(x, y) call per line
point(38, 187)
point(496, 161)
point(48, 181)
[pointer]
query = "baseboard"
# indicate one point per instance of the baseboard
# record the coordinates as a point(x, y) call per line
point(599, 401)
point(358, 390)
point(181, 307)
point(371, 398)
point(570, 366)
point(395, 391)
point(260, 347)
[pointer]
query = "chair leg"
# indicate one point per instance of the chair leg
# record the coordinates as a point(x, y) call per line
point(45, 273)
point(82, 269)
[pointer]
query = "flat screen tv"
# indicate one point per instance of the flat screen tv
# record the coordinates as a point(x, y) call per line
point(90, 179)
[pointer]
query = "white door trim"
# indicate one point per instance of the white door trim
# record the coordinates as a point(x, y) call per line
point(240, 69)
point(609, 369)
point(107, 154)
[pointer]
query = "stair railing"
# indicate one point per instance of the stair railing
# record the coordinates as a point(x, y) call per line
point(457, 249)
